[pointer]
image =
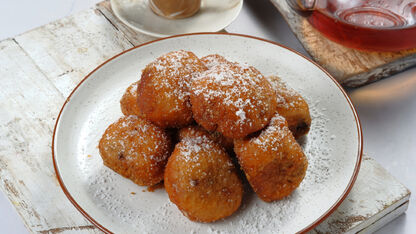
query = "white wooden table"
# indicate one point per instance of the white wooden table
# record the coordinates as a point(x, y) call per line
point(39, 68)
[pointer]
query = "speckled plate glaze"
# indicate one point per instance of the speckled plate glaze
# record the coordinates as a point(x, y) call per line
point(213, 16)
point(115, 204)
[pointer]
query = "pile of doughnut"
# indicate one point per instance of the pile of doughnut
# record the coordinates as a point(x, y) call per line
point(197, 124)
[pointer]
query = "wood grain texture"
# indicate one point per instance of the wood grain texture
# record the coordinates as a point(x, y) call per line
point(41, 68)
point(132, 35)
point(68, 49)
point(29, 104)
point(375, 194)
point(350, 67)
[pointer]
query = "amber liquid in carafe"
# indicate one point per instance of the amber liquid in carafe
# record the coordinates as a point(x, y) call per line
point(383, 25)
point(175, 9)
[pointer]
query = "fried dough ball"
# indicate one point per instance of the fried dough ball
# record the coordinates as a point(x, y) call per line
point(128, 102)
point(292, 107)
point(201, 180)
point(163, 93)
point(226, 142)
point(136, 149)
point(273, 161)
point(198, 131)
point(213, 60)
point(233, 99)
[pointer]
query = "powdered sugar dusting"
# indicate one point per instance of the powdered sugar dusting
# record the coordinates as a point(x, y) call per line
point(263, 141)
point(172, 74)
point(191, 147)
point(130, 133)
point(240, 90)
point(321, 164)
point(241, 114)
point(133, 89)
point(284, 90)
point(154, 213)
point(177, 64)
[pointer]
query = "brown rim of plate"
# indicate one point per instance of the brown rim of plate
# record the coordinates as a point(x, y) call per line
point(304, 230)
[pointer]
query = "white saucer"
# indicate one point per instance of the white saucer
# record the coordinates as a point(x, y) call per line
point(213, 16)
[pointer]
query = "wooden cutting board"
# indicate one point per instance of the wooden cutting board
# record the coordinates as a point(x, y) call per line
point(350, 67)
point(38, 70)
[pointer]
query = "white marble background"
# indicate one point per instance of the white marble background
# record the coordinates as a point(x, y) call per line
point(387, 109)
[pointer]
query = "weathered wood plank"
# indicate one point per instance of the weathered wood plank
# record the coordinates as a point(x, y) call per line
point(386, 219)
point(29, 103)
point(40, 68)
point(349, 66)
point(68, 49)
point(375, 195)
point(136, 38)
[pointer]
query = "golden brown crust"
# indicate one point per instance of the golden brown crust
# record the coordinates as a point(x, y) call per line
point(231, 98)
point(202, 181)
point(213, 60)
point(292, 106)
point(273, 161)
point(136, 149)
point(198, 131)
point(237, 109)
point(163, 93)
point(128, 102)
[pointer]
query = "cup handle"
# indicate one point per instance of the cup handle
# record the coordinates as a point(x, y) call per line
point(302, 5)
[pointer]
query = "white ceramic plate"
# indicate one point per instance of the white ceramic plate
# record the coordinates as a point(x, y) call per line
point(333, 146)
point(213, 16)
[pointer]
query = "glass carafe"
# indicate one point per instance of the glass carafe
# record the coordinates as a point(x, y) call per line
point(382, 25)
